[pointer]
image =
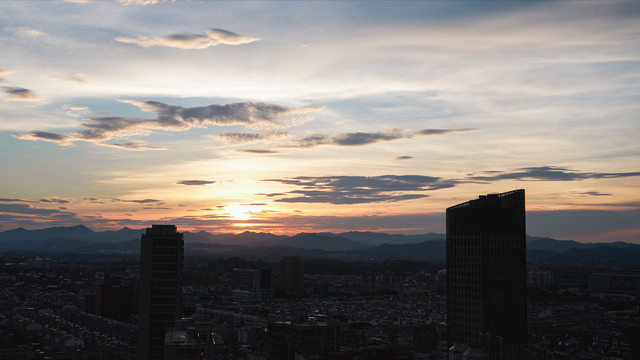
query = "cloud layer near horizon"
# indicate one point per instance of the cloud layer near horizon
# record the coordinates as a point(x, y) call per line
point(548, 173)
point(358, 189)
point(392, 188)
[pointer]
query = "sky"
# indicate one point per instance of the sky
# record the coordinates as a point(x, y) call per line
point(288, 117)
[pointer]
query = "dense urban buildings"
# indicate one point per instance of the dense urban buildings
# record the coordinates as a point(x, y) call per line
point(161, 262)
point(251, 284)
point(486, 276)
point(72, 306)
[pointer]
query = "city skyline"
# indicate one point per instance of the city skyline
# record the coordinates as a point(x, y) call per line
point(289, 117)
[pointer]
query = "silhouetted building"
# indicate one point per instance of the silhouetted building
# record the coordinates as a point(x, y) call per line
point(615, 284)
point(251, 284)
point(246, 278)
point(291, 276)
point(161, 261)
point(486, 276)
point(265, 279)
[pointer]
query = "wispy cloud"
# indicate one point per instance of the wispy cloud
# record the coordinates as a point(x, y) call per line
point(547, 173)
point(362, 138)
point(257, 151)
point(53, 199)
point(60, 139)
point(72, 77)
point(56, 200)
point(391, 188)
point(139, 146)
point(187, 41)
point(27, 209)
point(195, 182)
point(138, 201)
point(31, 32)
point(236, 138)
point(16, 200)
point(177, 118)
point(404, 157)
point(73, 108)
point(138, 2)
point(594, 193)
point(359, 189)
point(3, 73)
point(18, 93)
point(93, 200)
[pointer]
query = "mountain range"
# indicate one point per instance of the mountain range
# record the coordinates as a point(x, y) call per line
point(350, 246)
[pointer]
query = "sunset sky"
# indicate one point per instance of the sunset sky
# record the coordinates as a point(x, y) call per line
point(289, 117)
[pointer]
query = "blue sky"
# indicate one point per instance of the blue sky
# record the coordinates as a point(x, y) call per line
point(319, 116)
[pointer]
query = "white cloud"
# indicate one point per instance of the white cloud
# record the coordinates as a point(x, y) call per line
point(31, 32)
point(141, 2)
point(72, 77)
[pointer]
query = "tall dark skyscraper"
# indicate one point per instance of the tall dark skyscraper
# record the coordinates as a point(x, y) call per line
point(160, 304)
point(291, 275)
point(486, 275)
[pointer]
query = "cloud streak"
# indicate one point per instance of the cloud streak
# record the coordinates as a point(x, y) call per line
point(62, 140)
point(548, 173)
point(137, 2)
point(55, 200)
point(362, 138)
point(236, 138)
point(392, 188)
point(138, 146)
point(177, 118)
point(195, 182)
point(28, 210)
point(358, 189)
point(18, 93)
point(138, 201)
point(31, 32)
point(16, 200)
point(72, 78)
point(257, 151)
point(187, 41)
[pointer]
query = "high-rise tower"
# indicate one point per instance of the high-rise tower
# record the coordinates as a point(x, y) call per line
point(160, 301)
point(292, 276)
point(486, 275)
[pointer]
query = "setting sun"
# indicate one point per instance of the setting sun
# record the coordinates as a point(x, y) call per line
point(239, 211)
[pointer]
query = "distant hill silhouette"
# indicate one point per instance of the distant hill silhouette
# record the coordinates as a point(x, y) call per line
point(375, 238)
point(350, 246)
point(545, 243)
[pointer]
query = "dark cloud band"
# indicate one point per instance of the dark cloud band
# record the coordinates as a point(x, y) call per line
point(359, 189)
point(548, 173)
point(362, 138)
point(195, 182)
